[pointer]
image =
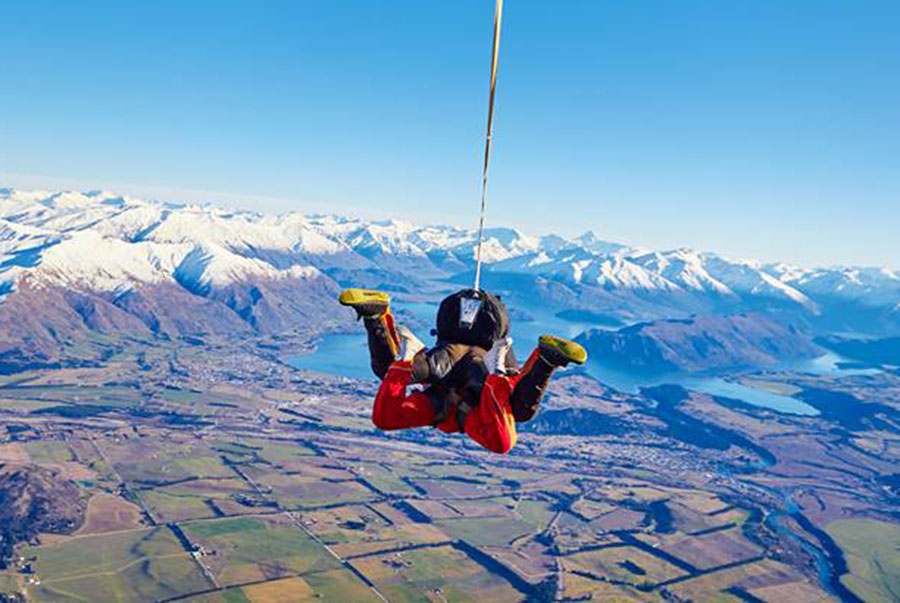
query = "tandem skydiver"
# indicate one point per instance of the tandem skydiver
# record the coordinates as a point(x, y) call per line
point(471, 378)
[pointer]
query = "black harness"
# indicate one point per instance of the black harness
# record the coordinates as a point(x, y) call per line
point(443, 408)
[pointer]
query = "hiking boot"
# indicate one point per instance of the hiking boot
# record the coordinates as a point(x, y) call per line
point(560, 352)
point(367, 303)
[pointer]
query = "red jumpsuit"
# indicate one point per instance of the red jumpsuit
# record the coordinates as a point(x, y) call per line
point(491, 423)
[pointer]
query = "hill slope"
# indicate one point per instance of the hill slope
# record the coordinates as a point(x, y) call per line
point(700, 344)
point(35, 500)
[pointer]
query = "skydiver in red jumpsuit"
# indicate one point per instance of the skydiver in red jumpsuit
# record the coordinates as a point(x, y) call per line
point(475, 389)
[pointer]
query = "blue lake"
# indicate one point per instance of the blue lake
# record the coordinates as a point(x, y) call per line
point(347, 355)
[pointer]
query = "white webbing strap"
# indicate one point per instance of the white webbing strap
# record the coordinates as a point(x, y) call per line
point(498, 14)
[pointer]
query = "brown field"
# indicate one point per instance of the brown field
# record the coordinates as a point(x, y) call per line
point(592, 509)
point(750, 577)
point(74, 470)
point(390, 538)
point(297, 491)
point(688, 519)
point(14, 453)
point(242, 574)
point(735, 515)
point(396, 516)
point(620, 519)
point(576, 587)
point(699, 502)
point(614, 563)
point(278, 591)
point(795, 592)
point(337, 519)
point(434, 509)
point(706, 551)
point(110, 513)
point(413, 575)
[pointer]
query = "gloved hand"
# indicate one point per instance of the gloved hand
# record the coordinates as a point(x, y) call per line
point(495, 359)
point(410, 345)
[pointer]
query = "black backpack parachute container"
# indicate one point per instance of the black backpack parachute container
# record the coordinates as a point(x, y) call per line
point(473, 317)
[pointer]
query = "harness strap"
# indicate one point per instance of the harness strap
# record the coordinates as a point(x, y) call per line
point(462, 411)
point(439, 405)
point(442, 409)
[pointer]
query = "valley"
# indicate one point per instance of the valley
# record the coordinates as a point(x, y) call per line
point(217, 472)
point(185, 416)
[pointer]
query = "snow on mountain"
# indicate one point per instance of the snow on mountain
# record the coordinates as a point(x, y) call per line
point(874, 287)
point(104, 242)
point(89, 260)
point(210, 266)
point(100, 240)
point(590, 242)
point(67, 211)
point(16, 238)
point(578, 266)
point(750, 279)
point(387, 238)
point(685, 268)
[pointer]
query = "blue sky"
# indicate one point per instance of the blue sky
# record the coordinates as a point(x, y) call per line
point(765, 129)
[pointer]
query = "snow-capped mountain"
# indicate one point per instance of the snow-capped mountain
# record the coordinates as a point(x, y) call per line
point(171, 270)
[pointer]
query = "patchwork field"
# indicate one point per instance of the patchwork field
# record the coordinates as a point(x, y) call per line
point(256, 482)
point(438, 573)
point(254, 549)
point(148, 563)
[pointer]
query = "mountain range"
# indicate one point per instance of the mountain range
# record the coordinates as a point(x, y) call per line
point(73, 262)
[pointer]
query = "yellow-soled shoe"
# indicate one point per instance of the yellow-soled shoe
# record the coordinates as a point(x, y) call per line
point(560, 352)
point(366, 302)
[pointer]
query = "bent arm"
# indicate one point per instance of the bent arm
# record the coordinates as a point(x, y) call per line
point(394, 408)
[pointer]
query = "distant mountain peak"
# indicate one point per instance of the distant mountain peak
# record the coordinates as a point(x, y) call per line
point(102, 241)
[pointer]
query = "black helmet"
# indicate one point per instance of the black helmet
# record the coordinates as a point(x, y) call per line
point(472, 317)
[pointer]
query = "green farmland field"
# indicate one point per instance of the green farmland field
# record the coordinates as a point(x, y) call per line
point(150, 564)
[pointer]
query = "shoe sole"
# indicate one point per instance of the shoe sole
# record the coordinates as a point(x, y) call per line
point(569, 350)
point(356, 297)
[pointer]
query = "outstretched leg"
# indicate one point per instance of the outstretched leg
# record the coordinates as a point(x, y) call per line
point(373, 307)
point(531, 383)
